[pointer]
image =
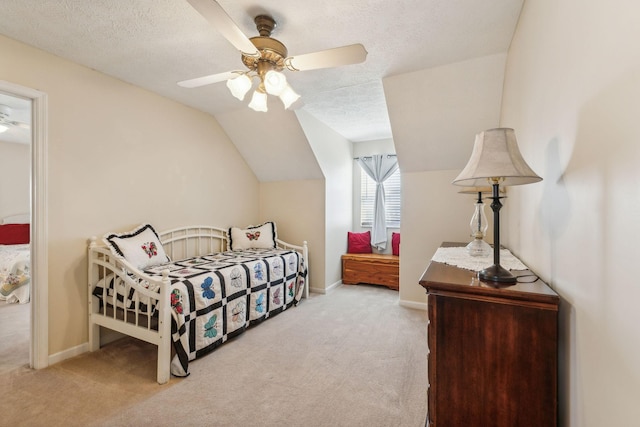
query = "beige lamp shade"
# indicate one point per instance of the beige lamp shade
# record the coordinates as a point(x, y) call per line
point(496, 156)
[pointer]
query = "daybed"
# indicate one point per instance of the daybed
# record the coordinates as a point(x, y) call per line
point(15, 254)
point(194, 286)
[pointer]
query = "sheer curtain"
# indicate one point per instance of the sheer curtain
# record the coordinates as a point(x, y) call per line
point(379, 168)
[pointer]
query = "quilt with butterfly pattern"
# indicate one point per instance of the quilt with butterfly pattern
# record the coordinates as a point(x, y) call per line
point(218, 296)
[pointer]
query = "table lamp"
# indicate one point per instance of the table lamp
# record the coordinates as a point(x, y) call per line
point(478, 223)
point(495, 161)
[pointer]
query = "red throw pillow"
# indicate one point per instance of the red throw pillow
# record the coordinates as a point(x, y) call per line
point(359, 243)
point(14, 234)
point(395, 243)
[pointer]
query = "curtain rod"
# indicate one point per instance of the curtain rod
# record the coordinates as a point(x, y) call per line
point(369, 157)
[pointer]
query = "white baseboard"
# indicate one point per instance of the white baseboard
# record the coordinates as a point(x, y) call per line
point(326, 290)
point(68, 353)
point(413, 304)
point(106, 336)
point(334, 286)
point(317, 290)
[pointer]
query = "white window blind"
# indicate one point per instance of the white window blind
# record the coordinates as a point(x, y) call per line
point(392, 199)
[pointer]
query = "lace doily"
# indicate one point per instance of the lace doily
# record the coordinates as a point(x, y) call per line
point(459, 257)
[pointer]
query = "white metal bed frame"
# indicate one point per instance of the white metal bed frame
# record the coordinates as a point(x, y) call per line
point(178, 243)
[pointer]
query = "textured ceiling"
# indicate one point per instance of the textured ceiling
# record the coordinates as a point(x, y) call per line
point(20, 112)
point(156, 43)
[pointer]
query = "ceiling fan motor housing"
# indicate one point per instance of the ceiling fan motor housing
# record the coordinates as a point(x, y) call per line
point(272, 51)
point(264, 56)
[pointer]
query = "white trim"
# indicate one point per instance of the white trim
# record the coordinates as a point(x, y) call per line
point(68, 353)
point(333, 286)
point(326, 290)
point(39, 346)
point(413, 304)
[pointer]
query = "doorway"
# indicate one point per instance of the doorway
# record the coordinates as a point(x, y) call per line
point(15, 216)
point(39, 310)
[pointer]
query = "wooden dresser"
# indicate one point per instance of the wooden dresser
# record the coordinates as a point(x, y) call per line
point(373, 269)
point(493, 351)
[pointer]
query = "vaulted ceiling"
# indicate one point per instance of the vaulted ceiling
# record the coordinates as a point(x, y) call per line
point(156, 43)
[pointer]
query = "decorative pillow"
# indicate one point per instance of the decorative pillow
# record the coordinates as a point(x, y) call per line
point(253, 237)
point(14, 234)
point(141, 247)
point(359, 243)
point(395, 243)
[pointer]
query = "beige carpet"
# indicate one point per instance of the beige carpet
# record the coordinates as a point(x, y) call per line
point(14, 336)
point(352, 358)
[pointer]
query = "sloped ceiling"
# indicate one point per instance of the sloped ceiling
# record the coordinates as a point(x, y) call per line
point(436, 112)
point(156, 43)
point(256, 135)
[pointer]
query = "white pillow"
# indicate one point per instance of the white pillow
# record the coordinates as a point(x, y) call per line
point(141, 247)
point(253, 237)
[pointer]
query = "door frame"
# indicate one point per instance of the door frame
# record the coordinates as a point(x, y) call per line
point(39, 339)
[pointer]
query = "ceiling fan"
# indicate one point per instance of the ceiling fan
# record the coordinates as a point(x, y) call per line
point(265, 58)
point(5, 119)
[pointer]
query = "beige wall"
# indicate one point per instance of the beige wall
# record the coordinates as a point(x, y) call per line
point(297, 208)
point(431, 109)
point(119, 156)
point(334, 155)
point(435, 113)
point(432, 212)
point(572, 93)
point(15, 182)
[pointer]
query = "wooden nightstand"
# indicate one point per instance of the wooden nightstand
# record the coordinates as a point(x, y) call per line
point(493, 351)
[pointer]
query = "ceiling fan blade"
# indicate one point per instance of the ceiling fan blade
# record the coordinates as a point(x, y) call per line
point(207, 80)
point(336, 57)
point(215, 14)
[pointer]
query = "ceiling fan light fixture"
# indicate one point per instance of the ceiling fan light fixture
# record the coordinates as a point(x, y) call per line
point(265, 58)
point(259, 101)
point(239, 86)
point(288, 96)
point(274, 82)
point(3, 128)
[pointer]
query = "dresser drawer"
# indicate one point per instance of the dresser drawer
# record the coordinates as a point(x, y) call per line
point(493, 350)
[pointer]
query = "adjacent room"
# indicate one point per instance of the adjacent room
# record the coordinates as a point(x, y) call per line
point(273, 127)
point(15, 191)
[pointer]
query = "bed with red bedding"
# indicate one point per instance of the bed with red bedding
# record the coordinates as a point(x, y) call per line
point(15, 253)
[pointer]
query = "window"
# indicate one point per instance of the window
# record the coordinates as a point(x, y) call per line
point(392, 199)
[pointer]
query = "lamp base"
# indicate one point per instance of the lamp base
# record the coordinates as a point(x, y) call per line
point(497, 273)
point(478, 247)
